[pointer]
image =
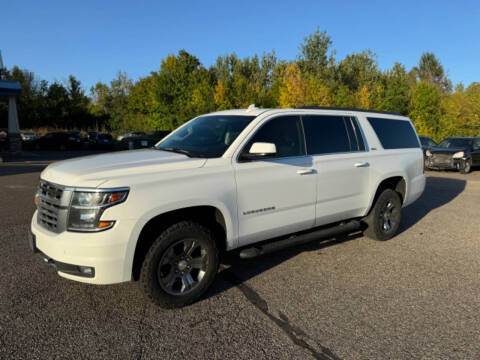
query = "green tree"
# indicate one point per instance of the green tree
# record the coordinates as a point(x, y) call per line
point(180, 81)
point(426, 114)
point(357, 70)
point(57, 105)
point(396, 91)
point(119, 90)
point(314, 55)
point(430, 70)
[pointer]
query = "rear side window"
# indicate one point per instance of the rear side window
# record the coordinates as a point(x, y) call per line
point(326, 134)
point(285, 132)
point(394, 134)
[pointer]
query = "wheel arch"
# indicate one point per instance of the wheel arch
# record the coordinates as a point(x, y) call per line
point(395, 182)
point(207, 215)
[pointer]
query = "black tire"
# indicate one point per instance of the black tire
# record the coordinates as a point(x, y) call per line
point(380, 226)
point(467, 166)
point(162, 263)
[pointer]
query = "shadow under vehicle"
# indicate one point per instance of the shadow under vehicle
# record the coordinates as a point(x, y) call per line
point(236, 271)
point(454, 153)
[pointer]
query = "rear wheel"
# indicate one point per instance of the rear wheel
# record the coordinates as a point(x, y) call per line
point(180, 265)
point(467, 166)
point(385, 216)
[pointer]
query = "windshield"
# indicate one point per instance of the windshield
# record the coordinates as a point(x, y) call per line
point(455, 143)
point(206, 136)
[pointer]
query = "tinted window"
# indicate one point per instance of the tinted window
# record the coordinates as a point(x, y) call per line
point(326, 134)
point(285, 132)
point(394, 134)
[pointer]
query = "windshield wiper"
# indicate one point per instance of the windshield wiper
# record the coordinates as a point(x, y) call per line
point(176, 150)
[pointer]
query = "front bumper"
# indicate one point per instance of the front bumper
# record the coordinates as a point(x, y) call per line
point(77, 270)
point(447, 164)
point(107, 252)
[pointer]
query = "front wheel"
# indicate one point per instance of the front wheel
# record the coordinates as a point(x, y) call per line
point(467, 166)
point(180, 266)
point(384, 218)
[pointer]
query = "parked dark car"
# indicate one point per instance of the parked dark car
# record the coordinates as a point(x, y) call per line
point(60, 141)
point(146, 141)
point(101, 141)
point(458, 153)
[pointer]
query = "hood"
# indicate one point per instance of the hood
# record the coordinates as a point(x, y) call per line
point(92, 171)
point(440, 150)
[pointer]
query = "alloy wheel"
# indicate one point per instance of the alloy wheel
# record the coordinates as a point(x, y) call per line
point(387, 217)
point(182, 267)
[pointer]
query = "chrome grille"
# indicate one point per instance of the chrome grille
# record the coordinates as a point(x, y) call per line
point(442, 158)
point(52, 206)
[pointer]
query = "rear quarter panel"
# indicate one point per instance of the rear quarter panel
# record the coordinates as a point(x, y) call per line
point(387, 163)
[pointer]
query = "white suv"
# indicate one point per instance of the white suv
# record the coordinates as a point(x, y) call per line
point(255, 180)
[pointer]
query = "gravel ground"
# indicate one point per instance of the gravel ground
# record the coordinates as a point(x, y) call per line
point(415, 296)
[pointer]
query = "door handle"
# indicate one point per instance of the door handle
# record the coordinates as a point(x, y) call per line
point(305, 171)
point(362, 164)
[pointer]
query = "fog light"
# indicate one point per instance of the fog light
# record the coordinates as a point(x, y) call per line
point(87, 270)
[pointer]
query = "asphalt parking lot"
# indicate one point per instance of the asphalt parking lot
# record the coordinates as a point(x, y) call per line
point(415, 296)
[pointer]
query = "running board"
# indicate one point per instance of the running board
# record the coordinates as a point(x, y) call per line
point(296, 240)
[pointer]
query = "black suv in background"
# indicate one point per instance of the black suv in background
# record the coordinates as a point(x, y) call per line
point(457, 153)
point(60, 141)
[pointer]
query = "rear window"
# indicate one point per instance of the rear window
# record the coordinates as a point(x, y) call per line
point(394, 134)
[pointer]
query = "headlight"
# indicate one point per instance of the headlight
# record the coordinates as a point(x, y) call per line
point(458, 155)
point(428, 153)
point(87, 208)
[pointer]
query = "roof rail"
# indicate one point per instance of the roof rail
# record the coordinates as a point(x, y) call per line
point(347, 109)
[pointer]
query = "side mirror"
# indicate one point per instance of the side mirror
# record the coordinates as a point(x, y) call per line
point(260, 150)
